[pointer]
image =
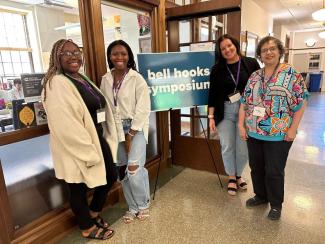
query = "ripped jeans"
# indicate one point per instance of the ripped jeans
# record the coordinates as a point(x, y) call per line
point(135, 183)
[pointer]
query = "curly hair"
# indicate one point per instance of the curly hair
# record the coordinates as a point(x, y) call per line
point(55, 65)
point(267, 39)
point(131, 63)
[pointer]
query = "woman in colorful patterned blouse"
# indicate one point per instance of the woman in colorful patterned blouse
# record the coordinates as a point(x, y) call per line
point(271, 108)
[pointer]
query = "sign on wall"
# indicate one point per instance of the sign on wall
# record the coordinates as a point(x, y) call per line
point(177, 80)
point(32, 86)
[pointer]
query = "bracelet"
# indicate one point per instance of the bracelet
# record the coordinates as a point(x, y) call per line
point(130, 134)
point(210, 116)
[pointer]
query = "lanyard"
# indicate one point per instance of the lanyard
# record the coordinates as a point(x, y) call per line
point(117, 86)
point(264, 83)
point(232, 76)
point(86, 85)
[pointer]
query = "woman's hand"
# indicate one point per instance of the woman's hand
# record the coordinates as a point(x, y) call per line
point(128, 143)
point(212, 125)
point(128, 140)
point(242, 132)
point(291, 135)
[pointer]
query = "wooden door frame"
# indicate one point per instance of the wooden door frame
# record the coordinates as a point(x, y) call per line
point(181, 144)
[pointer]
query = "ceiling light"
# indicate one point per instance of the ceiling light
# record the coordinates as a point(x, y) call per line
point(310, 42)
point(322, 34)
point(319, 15)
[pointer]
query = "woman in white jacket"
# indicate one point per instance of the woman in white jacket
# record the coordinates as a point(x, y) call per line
point(83, 147)
point(128, 95)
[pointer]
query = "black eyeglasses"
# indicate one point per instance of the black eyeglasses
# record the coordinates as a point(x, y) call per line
point(70, 54)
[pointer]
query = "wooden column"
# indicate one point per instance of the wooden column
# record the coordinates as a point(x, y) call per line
point(160, 46)
point(234, 24)
point(93, 38)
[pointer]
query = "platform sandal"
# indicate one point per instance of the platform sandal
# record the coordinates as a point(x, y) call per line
point(232, 190)
point(242, 185)
point(128, 217)
point(143, 214)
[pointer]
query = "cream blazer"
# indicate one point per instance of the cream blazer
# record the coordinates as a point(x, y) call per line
point(76, 151)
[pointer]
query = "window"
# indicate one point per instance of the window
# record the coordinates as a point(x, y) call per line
point(15, 51)
point(28, 32)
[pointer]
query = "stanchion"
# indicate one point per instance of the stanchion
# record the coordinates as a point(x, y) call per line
point(207, 141)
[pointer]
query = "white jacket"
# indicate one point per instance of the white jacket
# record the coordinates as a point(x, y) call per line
point(76, 150)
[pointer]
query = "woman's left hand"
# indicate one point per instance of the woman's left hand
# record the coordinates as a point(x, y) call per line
point(291, 135)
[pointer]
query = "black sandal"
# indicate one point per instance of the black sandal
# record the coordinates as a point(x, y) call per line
point(232, 190)
point(100, 233)
point(100, 222)
point(242, 185)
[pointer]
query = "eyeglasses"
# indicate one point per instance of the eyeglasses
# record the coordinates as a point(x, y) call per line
point(271, 49)
point(70, 54)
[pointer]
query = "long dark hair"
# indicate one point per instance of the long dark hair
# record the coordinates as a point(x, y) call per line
point(131, 63)
point(218, 56)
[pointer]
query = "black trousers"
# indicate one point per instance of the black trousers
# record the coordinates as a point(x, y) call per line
point(267, 160)
point(78, 192)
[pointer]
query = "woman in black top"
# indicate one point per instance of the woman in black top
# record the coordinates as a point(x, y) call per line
point(227, 82)
point(82, 146)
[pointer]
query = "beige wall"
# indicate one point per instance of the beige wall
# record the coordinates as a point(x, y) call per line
point(256, 20)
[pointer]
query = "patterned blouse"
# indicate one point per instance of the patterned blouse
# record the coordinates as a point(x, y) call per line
point(281, 97)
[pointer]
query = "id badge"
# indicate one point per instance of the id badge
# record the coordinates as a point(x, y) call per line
point(234, 97)
point(259, 112)
point(101, 115)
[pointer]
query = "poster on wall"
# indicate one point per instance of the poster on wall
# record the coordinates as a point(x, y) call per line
point(177, 80)
point(144, 24)
point(32, 86)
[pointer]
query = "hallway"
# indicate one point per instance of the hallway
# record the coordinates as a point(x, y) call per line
point(192, 207)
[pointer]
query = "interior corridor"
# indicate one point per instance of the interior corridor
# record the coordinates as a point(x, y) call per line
point(191, 207)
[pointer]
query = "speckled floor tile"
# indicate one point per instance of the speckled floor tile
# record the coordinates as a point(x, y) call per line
point(193, 208)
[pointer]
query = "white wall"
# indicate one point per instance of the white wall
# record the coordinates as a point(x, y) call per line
point(48, 19)
point(255, 19)
point(280, 32)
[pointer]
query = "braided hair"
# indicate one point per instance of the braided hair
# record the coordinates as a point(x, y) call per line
point(55, 65)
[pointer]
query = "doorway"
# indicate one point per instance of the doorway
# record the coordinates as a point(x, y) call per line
point(204, 22)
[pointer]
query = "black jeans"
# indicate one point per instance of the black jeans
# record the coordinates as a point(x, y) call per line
point(78, 192)
point(267, 160)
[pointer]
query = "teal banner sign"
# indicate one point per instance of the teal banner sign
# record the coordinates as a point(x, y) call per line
point(177, 80)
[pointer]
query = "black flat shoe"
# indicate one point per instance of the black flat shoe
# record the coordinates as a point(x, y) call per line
point(255, 201)
point(274, 214)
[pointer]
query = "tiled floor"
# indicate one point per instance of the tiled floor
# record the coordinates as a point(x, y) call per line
point(192, 207)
